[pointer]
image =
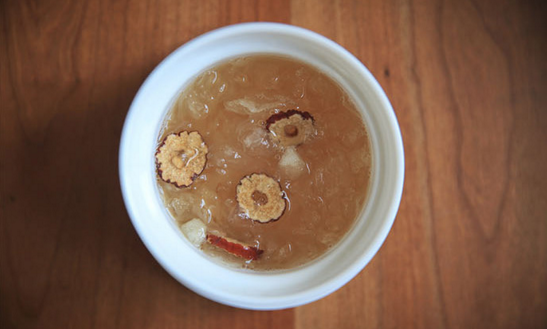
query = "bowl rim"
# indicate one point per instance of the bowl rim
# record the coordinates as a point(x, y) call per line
point(345, 275)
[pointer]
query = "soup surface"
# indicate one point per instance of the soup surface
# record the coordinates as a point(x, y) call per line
point(323, 180)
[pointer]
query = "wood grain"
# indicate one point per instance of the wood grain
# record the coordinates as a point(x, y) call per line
point(467, 79)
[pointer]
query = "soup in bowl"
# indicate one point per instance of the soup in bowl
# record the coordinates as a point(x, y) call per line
point(261, 165)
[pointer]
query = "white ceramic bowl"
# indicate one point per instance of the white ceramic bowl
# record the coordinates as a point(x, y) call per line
point(259, 291)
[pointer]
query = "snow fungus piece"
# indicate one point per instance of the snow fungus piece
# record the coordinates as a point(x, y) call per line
point(248, 106)
point(291, 163)
point(181, 157)
point(260, 197)
point(291, 128)
point(195, 231)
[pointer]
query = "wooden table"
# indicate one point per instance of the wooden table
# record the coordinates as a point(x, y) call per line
point(467, 79)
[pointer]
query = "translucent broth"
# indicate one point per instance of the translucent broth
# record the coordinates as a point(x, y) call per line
point(322, 203)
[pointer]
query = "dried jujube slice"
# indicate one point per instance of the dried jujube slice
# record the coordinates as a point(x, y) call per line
point(234, 247)
point(291, 128)
point(181, 157)
point(260, 197)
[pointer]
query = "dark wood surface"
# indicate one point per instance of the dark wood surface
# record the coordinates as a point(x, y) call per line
point(467, 79)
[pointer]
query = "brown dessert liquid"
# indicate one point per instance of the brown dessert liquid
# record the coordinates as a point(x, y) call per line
point(322, 202)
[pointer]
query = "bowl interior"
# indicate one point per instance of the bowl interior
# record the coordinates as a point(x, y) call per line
point(255, 290)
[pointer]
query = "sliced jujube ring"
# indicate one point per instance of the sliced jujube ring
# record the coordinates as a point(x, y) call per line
point(261, 198)
point(291, 128)
point(181, 158)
